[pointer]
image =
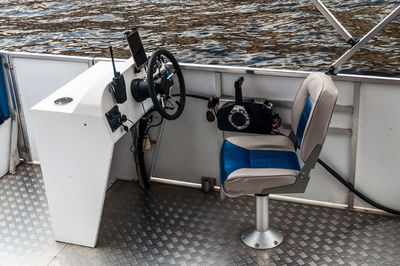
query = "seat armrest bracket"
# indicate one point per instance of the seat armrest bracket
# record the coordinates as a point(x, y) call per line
point(302, 178)
point(309, 164)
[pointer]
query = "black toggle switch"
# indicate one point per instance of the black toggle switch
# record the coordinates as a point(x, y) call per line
point(123, 119)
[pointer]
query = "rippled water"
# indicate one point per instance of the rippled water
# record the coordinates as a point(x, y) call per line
point(273, 34)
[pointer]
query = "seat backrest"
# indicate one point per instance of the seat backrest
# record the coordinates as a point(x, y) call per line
point(312, 111)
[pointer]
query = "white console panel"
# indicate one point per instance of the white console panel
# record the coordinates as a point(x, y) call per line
point(75, 145)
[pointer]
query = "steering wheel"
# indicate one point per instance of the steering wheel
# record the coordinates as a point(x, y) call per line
point(161, 84)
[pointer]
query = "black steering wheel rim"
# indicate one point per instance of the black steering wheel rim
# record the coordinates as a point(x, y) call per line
point(152, 91)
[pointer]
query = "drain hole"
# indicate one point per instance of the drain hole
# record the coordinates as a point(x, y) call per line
point(276, 243)
point(63, 100)
point(257, 245)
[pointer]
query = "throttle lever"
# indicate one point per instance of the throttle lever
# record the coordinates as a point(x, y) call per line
point(238, 117)
point(238, 91)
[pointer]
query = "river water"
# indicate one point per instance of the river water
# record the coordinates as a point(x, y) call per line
point(272, 34)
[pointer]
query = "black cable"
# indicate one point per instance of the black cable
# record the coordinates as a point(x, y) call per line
point(355, 191)
point(142, 129)
point(194, 96)
point(155, 125)
point(198, 96)
point(351, 187)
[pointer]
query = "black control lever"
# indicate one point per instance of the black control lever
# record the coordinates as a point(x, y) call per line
point(238, 116)
point(118, 82)
point(238, 91)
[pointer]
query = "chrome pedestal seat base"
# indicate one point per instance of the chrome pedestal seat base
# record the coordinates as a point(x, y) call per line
point(262, 236)
point(262, 240)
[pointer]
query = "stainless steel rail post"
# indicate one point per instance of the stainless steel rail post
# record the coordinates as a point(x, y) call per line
point(334, 67)
point(14, 156)
point(335, 23)
point(353, 141)
point(24, 149)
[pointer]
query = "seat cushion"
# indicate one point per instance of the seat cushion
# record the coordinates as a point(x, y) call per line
point(250, 171)
point(263, 142)
point(254, 181)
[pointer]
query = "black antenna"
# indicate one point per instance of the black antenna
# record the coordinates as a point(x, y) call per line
point(118, 82)
point(112, 60)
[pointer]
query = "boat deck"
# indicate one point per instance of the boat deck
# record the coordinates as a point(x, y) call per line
point(176, 225)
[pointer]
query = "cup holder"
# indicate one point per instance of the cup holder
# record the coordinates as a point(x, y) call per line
point(63, 101)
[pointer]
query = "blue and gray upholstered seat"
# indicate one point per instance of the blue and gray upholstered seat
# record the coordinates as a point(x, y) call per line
point(257, 163)
point(251, 164)
point(260, 165)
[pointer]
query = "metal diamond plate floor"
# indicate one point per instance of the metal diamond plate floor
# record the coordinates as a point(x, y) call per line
point(170, 225)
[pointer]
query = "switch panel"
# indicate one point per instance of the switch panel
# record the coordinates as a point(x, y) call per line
point(114, 118)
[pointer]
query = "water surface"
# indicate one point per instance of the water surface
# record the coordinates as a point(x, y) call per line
point(273, 34)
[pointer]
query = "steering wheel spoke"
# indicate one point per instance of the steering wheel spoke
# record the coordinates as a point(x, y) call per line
point(162, 102)
point(172, 98)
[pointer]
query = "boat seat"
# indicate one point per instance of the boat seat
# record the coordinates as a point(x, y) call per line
point(249, 168)
point(261, 165)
